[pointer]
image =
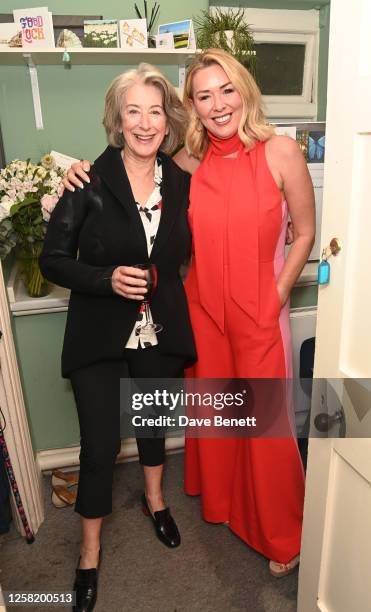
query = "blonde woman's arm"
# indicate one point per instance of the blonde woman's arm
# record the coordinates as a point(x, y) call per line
point(290, 172)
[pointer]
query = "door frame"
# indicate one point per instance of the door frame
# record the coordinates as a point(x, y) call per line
point(17, 434)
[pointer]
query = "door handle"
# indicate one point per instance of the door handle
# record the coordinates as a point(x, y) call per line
point(324, 422)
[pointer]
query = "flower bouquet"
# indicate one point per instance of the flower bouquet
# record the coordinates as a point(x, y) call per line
point(28, 194)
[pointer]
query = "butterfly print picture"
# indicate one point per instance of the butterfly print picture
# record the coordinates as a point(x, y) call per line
point(316, 147)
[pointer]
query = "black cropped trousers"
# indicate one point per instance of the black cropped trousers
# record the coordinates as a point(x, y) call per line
point(97, 394)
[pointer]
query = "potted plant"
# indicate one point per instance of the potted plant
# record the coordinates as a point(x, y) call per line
point(226, 29)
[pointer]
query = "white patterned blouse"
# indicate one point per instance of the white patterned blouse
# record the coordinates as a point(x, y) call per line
point(150, 215)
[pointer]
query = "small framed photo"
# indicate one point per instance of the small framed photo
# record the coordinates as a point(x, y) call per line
point(10, 35)
point(182, 31)
point(100, 33)
point(164, 41)
point(133, 34)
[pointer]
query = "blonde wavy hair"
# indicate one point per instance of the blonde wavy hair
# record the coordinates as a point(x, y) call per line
point(253, 125)
point(173, 107)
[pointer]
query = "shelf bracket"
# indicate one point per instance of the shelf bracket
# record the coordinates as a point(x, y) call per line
point(181, 77)
point(35, 90)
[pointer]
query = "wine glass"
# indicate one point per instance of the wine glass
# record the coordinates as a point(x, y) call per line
point(151, 278)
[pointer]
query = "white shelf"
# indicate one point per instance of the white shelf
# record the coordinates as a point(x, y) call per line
point(81, 56)
point(22, 304)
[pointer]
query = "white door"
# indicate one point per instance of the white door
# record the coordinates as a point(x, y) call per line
point(336, 547)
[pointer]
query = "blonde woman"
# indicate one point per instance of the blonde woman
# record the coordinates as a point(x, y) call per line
point(245, 182)
point(238, 287)
point(134, 211)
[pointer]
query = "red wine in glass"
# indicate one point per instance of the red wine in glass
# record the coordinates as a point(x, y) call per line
point(148, 327)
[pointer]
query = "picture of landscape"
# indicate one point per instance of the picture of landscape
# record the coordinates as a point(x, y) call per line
point(100, 33)
point(180, 31)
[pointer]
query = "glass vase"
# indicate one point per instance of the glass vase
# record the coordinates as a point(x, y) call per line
point(28, 265)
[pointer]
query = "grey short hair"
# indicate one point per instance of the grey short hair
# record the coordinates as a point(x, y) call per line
point(174, 110)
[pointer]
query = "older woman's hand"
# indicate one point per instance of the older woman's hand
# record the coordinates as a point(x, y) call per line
point(77, 170)
point(129, 282)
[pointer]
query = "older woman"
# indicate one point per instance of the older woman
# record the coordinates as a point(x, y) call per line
point(134, 211)
point(238, 286)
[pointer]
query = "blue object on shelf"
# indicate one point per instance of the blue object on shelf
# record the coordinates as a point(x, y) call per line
point(66, 57)
point(323, 274)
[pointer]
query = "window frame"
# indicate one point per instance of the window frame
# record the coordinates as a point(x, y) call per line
point(282, 26)
point(305, 104)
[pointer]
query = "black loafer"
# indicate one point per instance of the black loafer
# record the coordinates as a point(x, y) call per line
point(86, 587)
point(164, 524)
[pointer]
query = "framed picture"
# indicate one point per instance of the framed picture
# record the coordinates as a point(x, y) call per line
point(133, 33)
point(311, 138)
point(68, 29)
point(100, 33)
point(182, 31)
point(10, 35)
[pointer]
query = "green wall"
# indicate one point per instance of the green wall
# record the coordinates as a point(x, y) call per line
point(48, 397)
point(324, 19)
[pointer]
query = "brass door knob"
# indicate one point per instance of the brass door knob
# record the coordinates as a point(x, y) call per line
point(335, 246)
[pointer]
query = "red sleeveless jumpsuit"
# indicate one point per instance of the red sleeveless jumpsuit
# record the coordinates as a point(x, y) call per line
point(239, 221)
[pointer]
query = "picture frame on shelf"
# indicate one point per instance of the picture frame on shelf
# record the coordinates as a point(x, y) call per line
point(101, 33)
point(133, 34)
point(10, 36)
point(182, 31)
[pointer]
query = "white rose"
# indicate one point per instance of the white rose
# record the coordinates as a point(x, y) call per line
point(6, 204)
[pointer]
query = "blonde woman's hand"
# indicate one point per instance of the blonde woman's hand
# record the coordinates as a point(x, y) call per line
point(78, 170)
point(290, 233)
point(129, 282)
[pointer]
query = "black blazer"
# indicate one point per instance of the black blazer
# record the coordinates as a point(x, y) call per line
point(102, 224)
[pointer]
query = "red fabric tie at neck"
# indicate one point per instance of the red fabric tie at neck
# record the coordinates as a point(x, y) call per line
point(224, 146)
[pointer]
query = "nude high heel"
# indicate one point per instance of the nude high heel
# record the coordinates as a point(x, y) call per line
point(61, 496)
point(279, 570)
point(67, 479)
